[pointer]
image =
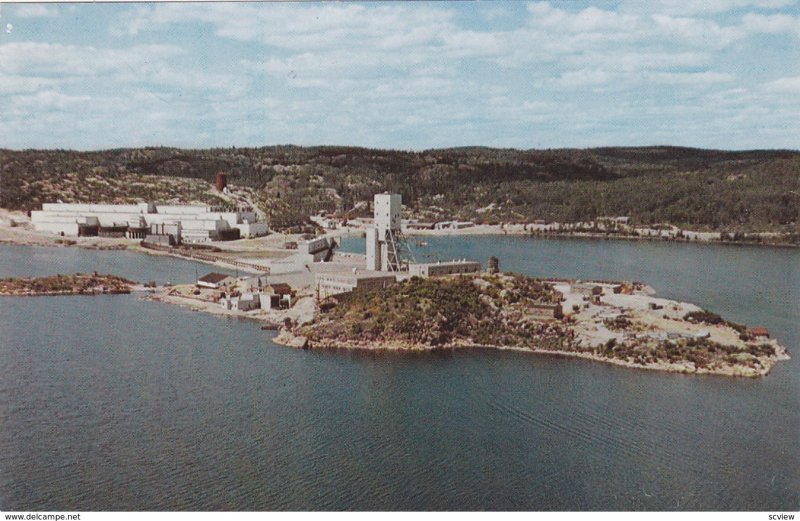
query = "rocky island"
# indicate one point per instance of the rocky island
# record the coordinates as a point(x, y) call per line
point(77, 284)
point(618, 323)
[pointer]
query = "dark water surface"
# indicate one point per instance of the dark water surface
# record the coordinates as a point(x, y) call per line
point(115, 403)
point(37, 261)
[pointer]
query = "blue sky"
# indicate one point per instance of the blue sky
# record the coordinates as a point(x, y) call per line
point(713, 74)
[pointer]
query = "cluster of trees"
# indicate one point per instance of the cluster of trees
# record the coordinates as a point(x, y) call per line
point(698, 189)
point(438, 311)
point(419, 311)
point(709, 317)
point(701, 352)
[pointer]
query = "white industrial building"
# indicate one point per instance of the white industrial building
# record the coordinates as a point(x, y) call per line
point(386, 249)
point(269, 296)
point(343, 282)
point(316, 250)
point(191, 223)
point(244, 302)
point(437, 269)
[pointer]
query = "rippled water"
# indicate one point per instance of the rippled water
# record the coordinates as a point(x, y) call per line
point(37, 261)
point(115, 403)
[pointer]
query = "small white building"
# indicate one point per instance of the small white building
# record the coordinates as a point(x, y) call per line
point(253, 284)
point(271, 296)
point(545, 311)
point(276, 296)
point(251, 230)
point(617, 220)
point(453, 225)
point(216, 281)
point(437, 269)
point(343, 282)
point(244, 302)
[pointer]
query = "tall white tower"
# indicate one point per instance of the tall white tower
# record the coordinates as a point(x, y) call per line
point(386, 249)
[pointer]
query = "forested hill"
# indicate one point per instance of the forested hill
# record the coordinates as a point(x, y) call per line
point(699, 189)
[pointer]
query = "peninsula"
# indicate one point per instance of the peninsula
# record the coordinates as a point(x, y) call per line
point(618, 323)
point(78, 284)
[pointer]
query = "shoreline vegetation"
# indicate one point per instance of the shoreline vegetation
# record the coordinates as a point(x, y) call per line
point(647, 235)
point(56, 285)
point(731, 192)
point(509, 312)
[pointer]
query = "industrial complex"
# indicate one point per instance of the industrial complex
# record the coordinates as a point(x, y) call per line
point(174, 223)
point(386, 248)
point(313, 265)
point(388, 256)
point(288, 285)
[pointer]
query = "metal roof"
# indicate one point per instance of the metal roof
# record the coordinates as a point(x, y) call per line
point(213, 278)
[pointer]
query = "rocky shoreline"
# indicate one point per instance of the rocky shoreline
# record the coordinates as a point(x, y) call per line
point(289, 339)
point(58, 285)
point(639, 337)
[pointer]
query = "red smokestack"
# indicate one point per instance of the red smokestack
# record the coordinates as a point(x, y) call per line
point(222, 181)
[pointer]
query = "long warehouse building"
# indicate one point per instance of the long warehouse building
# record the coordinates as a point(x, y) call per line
point(196, 223)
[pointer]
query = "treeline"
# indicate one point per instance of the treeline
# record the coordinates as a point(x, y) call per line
point(699, 189)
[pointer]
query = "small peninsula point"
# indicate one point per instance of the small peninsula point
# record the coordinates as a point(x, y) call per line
point(54, 285)
point(618, 323)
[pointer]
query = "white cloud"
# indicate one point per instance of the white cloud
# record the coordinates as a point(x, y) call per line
point(34, 11)
point(585, 77)
point(639, 60)
point(306, 27)
point(23, 84)
point(72, 60)
point(775, 24)
point(28, 66)
point(629, 81)
point(47, 101)
point(407, 74)
point(590, 19)
point(335, 45)
point(472, 44)
point(697, 31)
point(693, 7)
point(784, 85)
point(690, 78)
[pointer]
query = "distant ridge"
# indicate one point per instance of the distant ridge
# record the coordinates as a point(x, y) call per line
point(752, 190)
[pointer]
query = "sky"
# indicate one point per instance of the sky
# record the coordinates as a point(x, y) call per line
point(411, 76)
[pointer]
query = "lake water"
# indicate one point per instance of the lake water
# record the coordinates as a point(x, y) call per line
point(115, 403)
point(36, 261)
